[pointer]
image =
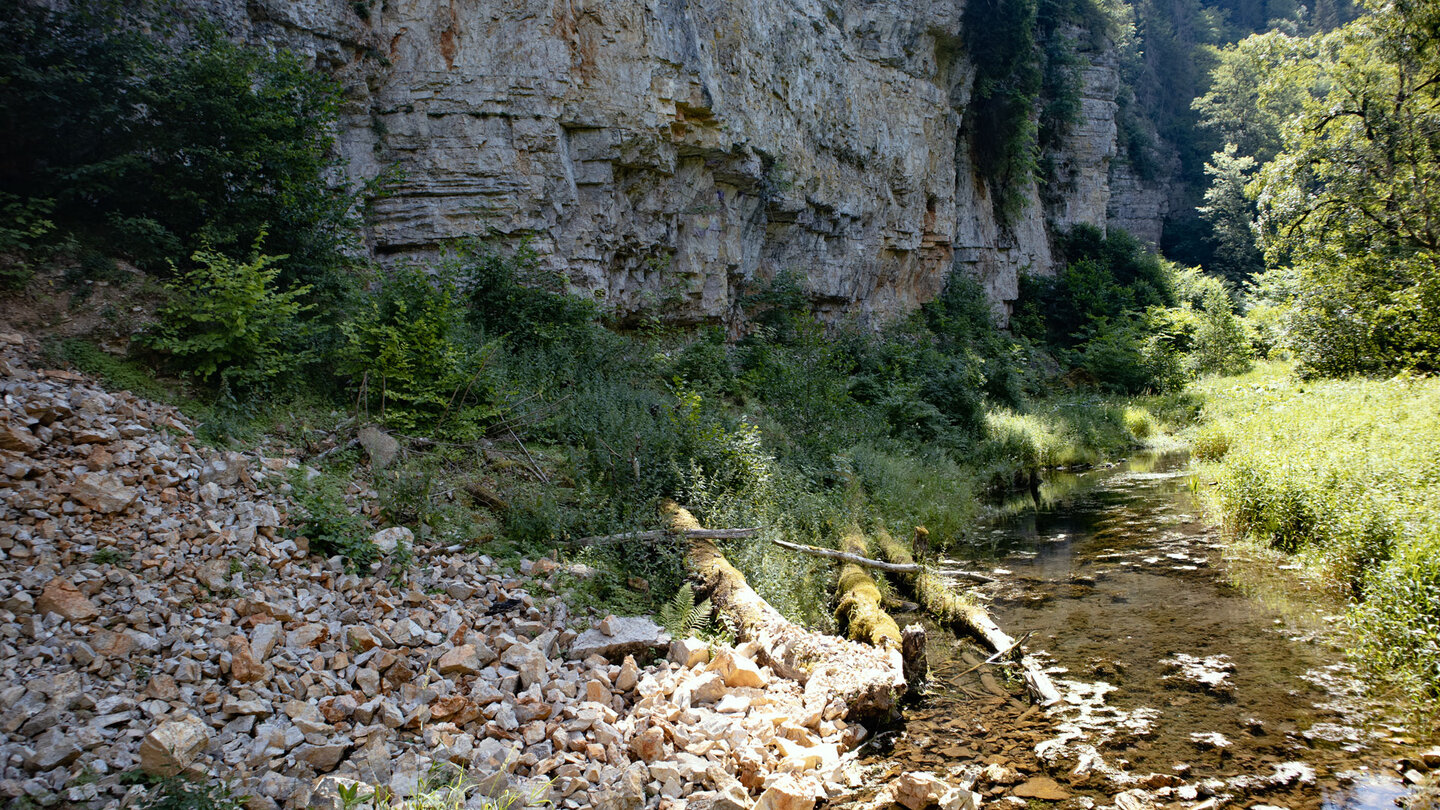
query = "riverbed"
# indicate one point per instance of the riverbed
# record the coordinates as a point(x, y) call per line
point(1193, 676)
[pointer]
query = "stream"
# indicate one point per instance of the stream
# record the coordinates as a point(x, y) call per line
point(1192, 678)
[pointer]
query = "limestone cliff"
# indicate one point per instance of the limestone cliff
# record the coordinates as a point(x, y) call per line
point(663, 153)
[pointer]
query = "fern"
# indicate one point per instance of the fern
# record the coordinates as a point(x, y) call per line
point(681, 617)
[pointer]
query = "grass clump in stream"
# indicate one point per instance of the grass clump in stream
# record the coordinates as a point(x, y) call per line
point(1343, 475)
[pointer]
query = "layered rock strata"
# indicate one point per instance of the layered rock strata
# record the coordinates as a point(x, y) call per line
point(665, 154)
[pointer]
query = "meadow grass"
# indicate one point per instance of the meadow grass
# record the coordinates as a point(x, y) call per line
point(1345, 476)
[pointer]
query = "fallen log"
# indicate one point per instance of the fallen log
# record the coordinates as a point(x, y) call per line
point(485, 496)
point(954, 609)
point(694, 534)
point(860, 615)
point(840, 678)
point(859, 612)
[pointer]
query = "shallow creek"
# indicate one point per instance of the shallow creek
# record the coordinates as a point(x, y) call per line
point(1188, 675)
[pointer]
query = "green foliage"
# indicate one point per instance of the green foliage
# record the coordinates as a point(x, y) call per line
point(227, 324)
point(1343, 123)
point(512, 296)
point(23, 223)
point(682, 617)
point(1107, 313)
point(327, 522)
point(1342, 474)
point(1231, 214)
point(157, 136)
point(412, 356)
point(179, 793)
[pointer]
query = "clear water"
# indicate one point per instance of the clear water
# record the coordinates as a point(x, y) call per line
point(1115, 572)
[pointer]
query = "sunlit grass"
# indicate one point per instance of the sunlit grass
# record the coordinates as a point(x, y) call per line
point(1344, 475)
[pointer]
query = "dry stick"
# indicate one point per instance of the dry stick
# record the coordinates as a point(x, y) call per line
point(998, 655)
point(960, 573)
point(691, 534)
point(854, 558)
point(533, 465)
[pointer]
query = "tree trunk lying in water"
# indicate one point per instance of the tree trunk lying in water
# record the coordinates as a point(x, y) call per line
point(860, 615)
point(841, 678)
point(954, 609)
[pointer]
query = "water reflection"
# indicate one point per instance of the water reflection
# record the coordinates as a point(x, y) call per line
point(1125, 587)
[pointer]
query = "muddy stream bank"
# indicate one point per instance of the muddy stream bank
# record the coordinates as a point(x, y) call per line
point(1193, 679)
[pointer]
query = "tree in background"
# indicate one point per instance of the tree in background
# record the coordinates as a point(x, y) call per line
point(156, 137)
point(1351, 202)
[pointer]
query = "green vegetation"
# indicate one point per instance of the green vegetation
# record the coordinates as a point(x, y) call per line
point(1341, 474)
point(161, 146)
point(1126, 321)
point(180, 793)
point(226, 324)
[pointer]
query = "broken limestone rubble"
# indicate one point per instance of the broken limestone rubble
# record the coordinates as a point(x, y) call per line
point(157, 614)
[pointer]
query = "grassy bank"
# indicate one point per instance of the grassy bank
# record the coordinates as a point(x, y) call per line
point(1343, 474)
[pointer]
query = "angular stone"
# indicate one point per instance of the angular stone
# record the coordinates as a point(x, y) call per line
point(919, 789)
point(103, 492)
point(379, 446)
point(62, 597)
point(306, 636)
point(649, 745)
point(224, 469)
point(687, 652)
point(786, 794)
point(387, 540)
point(528, 661)
point(1041, 787)
point(707, 688)
point(18, 438)
point(629, 634)
point(264, 638)
point(322, 758)
point(738, 671)
point(629, 675)
point(243, 666)
point(462, 660)
point(53, 749)
point(173, 746)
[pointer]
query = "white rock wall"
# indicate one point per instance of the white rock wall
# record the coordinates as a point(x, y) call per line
point(663, 153)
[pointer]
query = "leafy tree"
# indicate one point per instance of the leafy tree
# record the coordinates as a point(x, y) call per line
point(1230, 213)
point(227, 324)
point(410, 353)
point(156, 136)
point(1350, 201)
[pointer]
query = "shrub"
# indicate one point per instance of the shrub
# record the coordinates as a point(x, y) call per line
point(512, 296)
point(412, 357)
point(23, 223)
point(329, 525)
point(157, 136)
point(226, 324)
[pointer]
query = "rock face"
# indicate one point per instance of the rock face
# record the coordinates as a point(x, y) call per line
point(663, 155)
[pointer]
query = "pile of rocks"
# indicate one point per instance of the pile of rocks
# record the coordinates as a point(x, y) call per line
point(155, 616)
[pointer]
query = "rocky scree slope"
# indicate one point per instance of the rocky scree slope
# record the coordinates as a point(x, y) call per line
point(663, 154)
point(154, 616)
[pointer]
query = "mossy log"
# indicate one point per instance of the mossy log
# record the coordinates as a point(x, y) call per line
point(859, 612)
point(863, 619)
point(841, 678)
point(940, 601)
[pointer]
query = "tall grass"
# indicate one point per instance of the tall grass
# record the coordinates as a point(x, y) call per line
point(1343, 474)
